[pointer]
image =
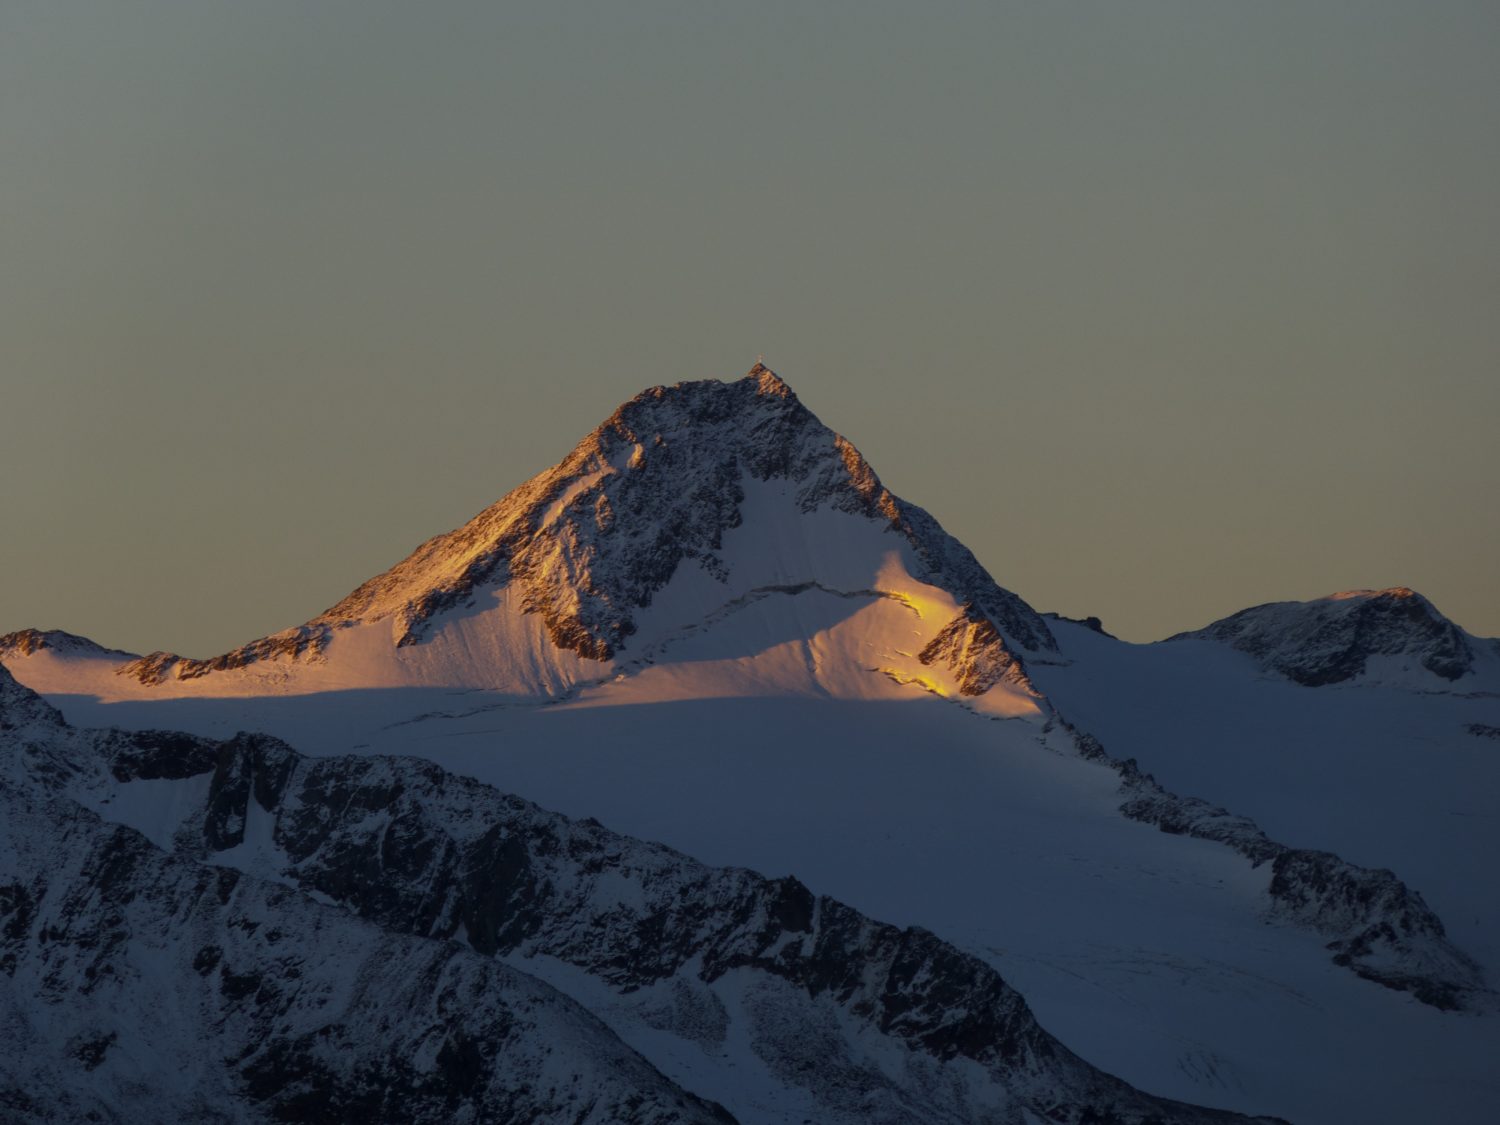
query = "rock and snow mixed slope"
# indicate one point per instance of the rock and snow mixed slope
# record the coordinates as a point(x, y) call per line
point(1394, 636)
point(137, 984)
point(1386, 766)
point(711, 626)
point(686, 502)
point(232, 932)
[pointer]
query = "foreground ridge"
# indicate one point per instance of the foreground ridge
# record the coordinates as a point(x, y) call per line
point(444, 899)
point(140, 985)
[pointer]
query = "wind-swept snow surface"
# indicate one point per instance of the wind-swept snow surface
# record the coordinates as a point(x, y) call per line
point(1384, 774)
point(361, 939)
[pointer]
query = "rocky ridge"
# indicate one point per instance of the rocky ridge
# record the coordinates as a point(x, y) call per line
point(139, 985)
point(1377, 926)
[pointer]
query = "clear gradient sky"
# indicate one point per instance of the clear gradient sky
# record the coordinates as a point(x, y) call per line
point(1165, 309)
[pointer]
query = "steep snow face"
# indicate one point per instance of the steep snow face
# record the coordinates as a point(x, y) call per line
point(1394, 635)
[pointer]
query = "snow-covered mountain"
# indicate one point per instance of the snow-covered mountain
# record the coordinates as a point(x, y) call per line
point(713, 627)
point(138, 983)
point(56, 642)
point(687, 502)
point(1394, 635)
point(227, 931)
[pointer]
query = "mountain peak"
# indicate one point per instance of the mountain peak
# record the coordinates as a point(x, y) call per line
point(653, 493)
point(767, 382)
point(1332, 639)
point(656, 487)
point(697, 403)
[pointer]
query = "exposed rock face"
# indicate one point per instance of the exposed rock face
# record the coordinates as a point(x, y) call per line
point(23, 711)
point(136, 985)
point(657, 485)
point(1377, 926)
point(351, 937)
point(157, 667)
point(1331, 640)
point(972, 648)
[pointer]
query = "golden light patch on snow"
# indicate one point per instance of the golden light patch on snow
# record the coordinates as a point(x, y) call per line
point(933, 605)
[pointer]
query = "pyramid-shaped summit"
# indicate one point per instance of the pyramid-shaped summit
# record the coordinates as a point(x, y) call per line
point(685, 504)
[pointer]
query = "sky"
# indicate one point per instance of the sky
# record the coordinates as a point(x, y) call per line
point(1164, 309)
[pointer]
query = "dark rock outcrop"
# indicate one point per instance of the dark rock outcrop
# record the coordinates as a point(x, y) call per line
point(141, 985)
point(350, 938)
point(416, 850)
